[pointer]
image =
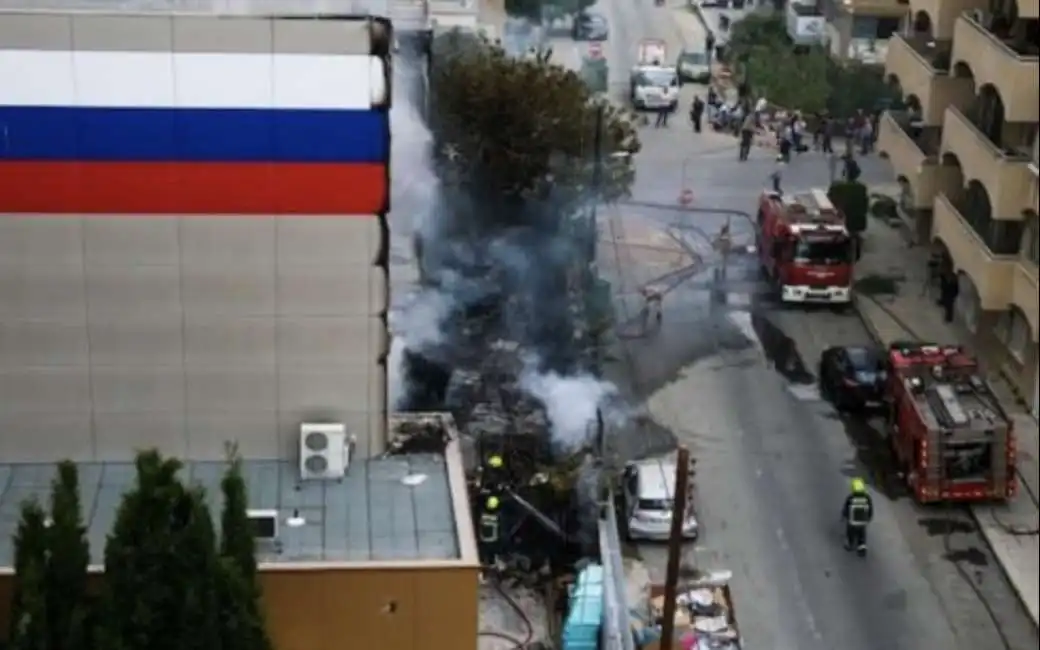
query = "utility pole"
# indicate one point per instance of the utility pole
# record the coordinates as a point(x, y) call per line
point(675, 541)
point(597, 166)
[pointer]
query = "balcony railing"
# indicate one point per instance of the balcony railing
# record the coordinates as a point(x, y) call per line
point(991, 271)
point(1001, 238)
point(1010, 65)
point(943, 14)
point(1004, 172)
point(1024, 291)
point(921, 66)
point(912, 150)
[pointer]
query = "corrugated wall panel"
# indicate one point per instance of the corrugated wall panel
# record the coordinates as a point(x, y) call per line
point(211, 269)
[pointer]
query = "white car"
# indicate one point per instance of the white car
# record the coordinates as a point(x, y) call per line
point(654, 88)
point(647, 491)
point(694, 67)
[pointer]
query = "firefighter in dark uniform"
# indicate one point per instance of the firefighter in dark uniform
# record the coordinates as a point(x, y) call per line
point(857, 512)
point(489, 529)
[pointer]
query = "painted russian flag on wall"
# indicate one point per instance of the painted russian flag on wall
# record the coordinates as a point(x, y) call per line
point(192, 133)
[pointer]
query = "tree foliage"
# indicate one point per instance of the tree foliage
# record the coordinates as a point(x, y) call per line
point(855, 86)
point(524, 128)
point(243, 622)
point(795, 81)
point(29, 603)
point(538, 10)
point(757, 30)
point(68, 558)
point(853, 199)
point(802, 78)
point(160, 588)
point(529, 9)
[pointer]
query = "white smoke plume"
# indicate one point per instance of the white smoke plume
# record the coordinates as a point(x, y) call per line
point(571, 403)
point(415, 317)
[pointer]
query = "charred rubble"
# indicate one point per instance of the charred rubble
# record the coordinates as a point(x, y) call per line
point(550, 508)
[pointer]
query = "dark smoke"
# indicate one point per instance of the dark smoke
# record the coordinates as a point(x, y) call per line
point(489, 270)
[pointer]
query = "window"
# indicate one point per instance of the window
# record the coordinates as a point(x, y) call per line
point(1031, 241)
point(1018, 338)
point(968, 305)
point(874, 28)
point(1013, 331)
point(829, 252)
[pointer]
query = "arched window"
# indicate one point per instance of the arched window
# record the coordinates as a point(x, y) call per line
point(1031, 239)
point(1014, 332)
point(968, 305)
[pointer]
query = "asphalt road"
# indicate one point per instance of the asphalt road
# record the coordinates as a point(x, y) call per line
point(773, 460)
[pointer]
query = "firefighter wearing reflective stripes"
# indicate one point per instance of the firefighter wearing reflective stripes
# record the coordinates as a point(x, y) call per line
point(857, 512)
point(489, 526)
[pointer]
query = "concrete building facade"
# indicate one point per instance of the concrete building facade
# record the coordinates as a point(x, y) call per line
point(967, 155)
point(193, 244)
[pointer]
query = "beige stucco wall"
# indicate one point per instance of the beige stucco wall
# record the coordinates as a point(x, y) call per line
point(123, 332)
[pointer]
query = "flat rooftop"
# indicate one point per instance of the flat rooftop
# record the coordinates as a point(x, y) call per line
point(371, 516)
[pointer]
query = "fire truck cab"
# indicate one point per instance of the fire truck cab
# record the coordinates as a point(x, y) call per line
point(804, 248)
point(950, 435)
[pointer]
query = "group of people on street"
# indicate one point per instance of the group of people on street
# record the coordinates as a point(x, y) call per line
point(792, 131)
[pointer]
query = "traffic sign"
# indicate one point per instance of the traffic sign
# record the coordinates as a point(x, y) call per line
point(595, 50)
point(686, 198)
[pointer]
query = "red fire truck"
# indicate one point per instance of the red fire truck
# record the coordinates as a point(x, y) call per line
point(950, 435)
point(804, 248)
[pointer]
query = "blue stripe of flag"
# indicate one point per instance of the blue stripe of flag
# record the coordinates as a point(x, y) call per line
point(193, 135)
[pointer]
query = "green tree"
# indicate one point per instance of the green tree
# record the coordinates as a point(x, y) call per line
point(539, 10)
point(29, 629)
point(757, 30)
point(242, 614)
point(793, 80)
point(521, 129)
point(529, 9)
point(856, 86)
point(852, 198)
point(194, 553)
point(160, 565)
point(66, 570)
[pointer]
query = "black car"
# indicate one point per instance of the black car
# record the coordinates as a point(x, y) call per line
point(852, 377)
point(590, 27)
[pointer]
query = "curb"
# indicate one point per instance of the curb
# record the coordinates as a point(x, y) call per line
point(983, 529)
point(867, 323)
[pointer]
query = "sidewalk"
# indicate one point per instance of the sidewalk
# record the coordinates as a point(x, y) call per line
point(1011, 529)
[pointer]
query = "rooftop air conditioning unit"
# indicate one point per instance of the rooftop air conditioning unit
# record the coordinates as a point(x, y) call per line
point(264, 523)
point(325, 451)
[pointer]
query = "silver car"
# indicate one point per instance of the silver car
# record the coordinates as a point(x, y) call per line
point(694, 67)
point(647, 492)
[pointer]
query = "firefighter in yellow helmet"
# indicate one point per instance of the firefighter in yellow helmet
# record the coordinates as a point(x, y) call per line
point(489, 527)
point(857, 512)
point(493, 473)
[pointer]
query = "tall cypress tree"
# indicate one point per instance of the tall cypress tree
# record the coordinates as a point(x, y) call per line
point(195, 552)
point(29, 629)
point(244, 627)
point(66, 569)
point(145, 584)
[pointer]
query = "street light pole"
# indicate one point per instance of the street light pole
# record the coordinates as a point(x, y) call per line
point(597, 177)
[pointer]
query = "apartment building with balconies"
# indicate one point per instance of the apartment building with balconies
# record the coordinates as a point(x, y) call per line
point(965, 150)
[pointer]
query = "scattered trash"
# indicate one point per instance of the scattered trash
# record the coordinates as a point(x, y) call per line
point(413, 480)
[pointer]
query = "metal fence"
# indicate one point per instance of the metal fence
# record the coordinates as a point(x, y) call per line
point(617, 632)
